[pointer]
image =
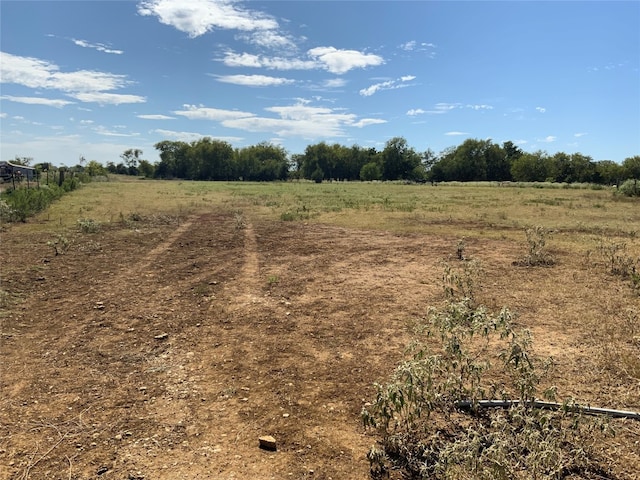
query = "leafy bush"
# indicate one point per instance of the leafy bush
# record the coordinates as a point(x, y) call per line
point(630, 188)
point(428, 415)
point(537, 254)
point(26, 202)
point(88, 225)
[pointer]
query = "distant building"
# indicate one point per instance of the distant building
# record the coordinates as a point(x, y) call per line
point(10, 170)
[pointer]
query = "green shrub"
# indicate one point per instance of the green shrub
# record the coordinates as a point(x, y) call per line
point(630, 188)
point(88, 225)
point(428, 416)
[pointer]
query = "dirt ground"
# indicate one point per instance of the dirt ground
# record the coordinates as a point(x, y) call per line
point(164, 349)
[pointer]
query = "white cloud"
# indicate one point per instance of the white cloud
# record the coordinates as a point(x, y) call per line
point(547, 139)
point(368, 121)
point(581, 134)
point(98, 46)
point(325, 58)
point(335, 83)
point(521, 142)
point(269, 39)
point(155, 117)
point(107, 98)
point(480, 107)
point(413, 45)
point(83, 85)
point(410, 45)
point(415, 111)
point(86, 122)
point(37, 101)
point(110, 133)
point(197, 17)
point(299, 119)
point(3, 115)
point(456, 133)
point(440, 108)
point(200, 112)
point(255, 80)
point(388, 85)
point(302, 120)
point(193, 136)
point(232, 59)
point(341, 61)
point(541, 109)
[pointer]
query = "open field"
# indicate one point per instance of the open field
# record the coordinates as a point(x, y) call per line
point(183, 320)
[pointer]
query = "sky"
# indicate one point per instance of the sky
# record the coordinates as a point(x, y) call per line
point(91, 79)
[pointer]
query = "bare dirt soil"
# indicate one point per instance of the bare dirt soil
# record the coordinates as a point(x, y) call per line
point(165, 348)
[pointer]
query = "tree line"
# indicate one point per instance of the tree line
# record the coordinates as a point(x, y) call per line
point(473, 160)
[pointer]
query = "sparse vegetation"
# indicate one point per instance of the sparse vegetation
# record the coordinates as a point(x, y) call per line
point(538, 254)
point(463, 353)
point(295, 344)
point(88, 225)
point(60, 244)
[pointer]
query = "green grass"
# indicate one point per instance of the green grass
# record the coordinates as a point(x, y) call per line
point(480, 210)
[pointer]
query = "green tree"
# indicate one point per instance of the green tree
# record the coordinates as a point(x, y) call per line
point(319, 159)
point(262, 162)
point(631, 167)
point(131, 157)
point(531, 167)
point(399, 161)
point(94, 169)
point(173, 159)
point(370, 171)
point(608, 172)
point(146, 168)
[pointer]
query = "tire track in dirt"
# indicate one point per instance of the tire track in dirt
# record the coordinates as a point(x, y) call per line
point(153, 254)
point(244, 290)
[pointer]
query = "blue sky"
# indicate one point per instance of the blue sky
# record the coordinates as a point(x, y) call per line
point(94, 78)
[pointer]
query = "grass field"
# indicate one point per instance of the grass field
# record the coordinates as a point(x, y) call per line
point(157, 328)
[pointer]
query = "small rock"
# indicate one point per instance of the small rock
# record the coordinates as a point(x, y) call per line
point(285, 415)
point(102, 470)
point(267, 442)
point(162, 336)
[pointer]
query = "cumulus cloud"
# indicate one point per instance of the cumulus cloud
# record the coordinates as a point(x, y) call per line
point(269, 39)
point(232, 59)
point(388, 85)
point(326, 58)
point(341, 61)
point(155, 117)
point(98, 46)
point(197, 17)
point(368, 121)
point(415, 111)
point(255, 80)
point(541, 109)
point(38, 101)
point(300, 119)
point(83, 85)
point(548, 139)
point(200, 112)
